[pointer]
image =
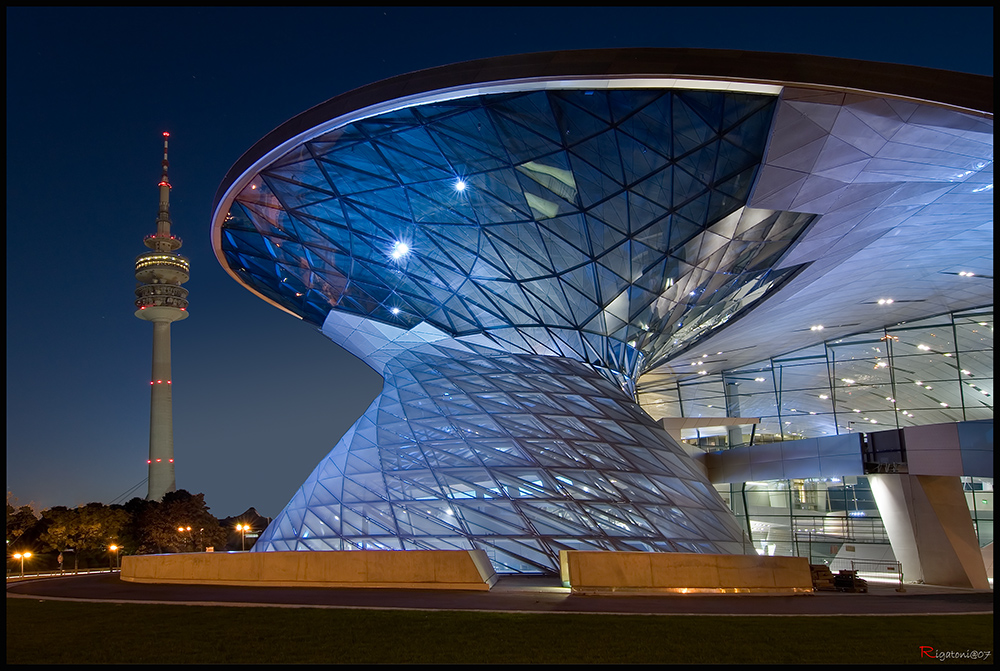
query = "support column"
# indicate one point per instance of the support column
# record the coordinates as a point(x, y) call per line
point(930, 529)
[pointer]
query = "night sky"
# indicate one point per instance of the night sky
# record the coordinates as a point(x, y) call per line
point(259, 397)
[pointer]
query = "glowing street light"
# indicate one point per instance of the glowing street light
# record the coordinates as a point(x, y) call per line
point(243, 529)
point(181, 531)
point(112, 556)
point(22, 556)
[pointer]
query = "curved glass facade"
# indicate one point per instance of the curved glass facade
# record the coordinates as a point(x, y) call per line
point(606, 226)
point(517, 455)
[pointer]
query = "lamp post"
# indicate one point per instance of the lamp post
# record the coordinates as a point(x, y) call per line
point(243, 529)
point(22, 556)
point(181, 531)
point(112, 556)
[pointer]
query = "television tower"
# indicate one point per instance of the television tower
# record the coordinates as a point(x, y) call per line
point(161, 299)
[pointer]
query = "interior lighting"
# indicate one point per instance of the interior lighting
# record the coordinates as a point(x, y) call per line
point(703, 372)
point(924, 348)
point(885, 301)
point(395, 311)
point(460, 185)
point(947, 354)
point(944, 405)
point(817, 327)
point(758, 379)
point(966, 274)
point(965, 372)
point(856, 410)
point(824, 396)
point(847, 380)
point(873, 421)
point(399, 250)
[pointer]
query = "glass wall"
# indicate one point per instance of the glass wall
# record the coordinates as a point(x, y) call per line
point(929, 371)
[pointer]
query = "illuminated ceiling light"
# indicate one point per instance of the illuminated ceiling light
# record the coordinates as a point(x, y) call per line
point(925, 348)
point(885, 301)
point(847, 380)
point(824, 396)
point(460, 185)
point(944, 405)
point(965, 372)
point(758, 379)
point(967, 274)
point(948, 354)
point(928, 387)
point(856, 410)
point(395, 311)
point(399, 250)
point(873, 421)
point(817, 327)
point(703, 372)
point(812, 413)
point(982, 323)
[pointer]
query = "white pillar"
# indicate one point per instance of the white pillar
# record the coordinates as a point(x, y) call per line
point(930, 529)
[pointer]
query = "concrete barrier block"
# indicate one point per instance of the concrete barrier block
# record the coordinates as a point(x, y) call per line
point(425, 569)
point(660, 572)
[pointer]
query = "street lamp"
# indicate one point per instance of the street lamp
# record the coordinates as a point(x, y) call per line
point(243, 529)
point(22, 556)
point(181, 530)
point(112, 557)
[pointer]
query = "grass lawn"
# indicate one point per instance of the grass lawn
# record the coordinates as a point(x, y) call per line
point(43, 632)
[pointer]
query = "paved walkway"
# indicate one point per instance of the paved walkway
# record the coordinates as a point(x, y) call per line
point(513, 594)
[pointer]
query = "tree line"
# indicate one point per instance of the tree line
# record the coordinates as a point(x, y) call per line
point(81, 537)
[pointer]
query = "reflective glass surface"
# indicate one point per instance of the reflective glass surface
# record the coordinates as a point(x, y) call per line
point(517, 455)
point(610, 227)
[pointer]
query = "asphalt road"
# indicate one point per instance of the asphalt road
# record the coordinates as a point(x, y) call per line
point(513, 594)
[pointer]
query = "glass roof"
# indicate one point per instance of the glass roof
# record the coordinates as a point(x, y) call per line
point(606, 226)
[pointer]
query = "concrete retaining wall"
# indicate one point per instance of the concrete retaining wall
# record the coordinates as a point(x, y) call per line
point(675, 572)
point(410, 569)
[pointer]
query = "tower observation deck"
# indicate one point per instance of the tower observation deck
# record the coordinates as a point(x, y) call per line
point(161, 299)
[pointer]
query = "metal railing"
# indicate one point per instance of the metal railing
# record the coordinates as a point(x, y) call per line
point(883, 571)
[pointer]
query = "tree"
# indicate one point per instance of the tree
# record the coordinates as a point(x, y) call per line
point(93, 527)
point(158, 524)
point(19, 520)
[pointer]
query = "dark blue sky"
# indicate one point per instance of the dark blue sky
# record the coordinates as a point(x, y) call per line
point(259, 397)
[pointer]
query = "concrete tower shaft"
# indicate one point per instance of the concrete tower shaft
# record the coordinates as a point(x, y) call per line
point(161, 299)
